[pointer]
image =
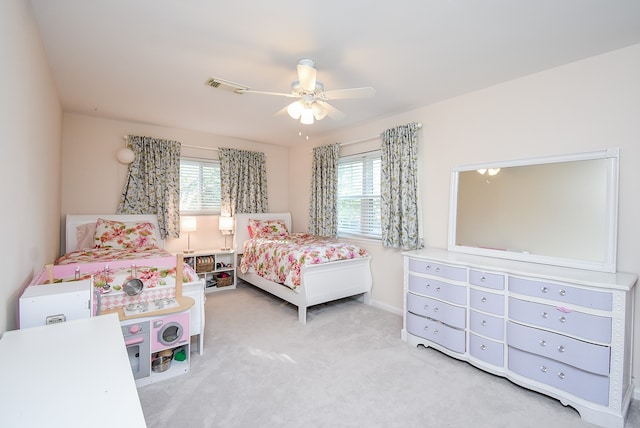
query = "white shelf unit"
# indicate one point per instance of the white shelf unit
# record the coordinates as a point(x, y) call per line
point(216, 267)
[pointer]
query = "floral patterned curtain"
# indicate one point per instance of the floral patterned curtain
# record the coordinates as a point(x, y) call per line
point(323, 212)
point(399, 183)
point(153, 183)
point(243, 177)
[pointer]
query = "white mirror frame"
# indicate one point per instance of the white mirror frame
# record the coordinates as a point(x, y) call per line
point(606, 265)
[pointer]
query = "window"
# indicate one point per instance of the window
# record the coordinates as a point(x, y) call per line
point(199, 186)
point(359, 195)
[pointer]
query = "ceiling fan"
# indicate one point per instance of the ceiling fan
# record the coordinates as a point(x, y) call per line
point(311, 98)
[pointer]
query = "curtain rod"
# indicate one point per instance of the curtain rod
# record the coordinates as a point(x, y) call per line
point(126, 137)
point(364, 140)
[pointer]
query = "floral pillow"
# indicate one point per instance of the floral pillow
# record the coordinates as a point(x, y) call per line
point(117, 234)
point(267, 229)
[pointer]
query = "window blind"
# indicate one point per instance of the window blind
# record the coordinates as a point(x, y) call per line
point(359, 195)
point(199, 186)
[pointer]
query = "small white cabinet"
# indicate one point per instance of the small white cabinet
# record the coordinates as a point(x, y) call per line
point(216, 267)
point(564, 332)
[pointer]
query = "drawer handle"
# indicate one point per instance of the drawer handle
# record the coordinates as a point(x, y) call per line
point(483, 279)
point(543, 369)
point(426, 327)
point(562, 319)
point(483, 347)
point(438, 289)
point(560, 348)
point(435, 332)
point(435, 309)
point(437, 269)
point(483, 322)
point(561, 375)
point(426, 307)
point(483, 300)
point(544, 315)
point(562, 292)
point(427, 285)
point(544, 289)
point(543, 343)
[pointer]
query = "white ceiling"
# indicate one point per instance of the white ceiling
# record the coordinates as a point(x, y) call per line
point(148, 60)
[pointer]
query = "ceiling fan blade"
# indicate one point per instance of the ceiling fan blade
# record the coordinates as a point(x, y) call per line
point(280, 94)
point(307, 74)
point(341, 94)
point(332, 112)
point(282, 111)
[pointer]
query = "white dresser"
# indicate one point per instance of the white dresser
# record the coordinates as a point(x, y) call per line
point(567, 333)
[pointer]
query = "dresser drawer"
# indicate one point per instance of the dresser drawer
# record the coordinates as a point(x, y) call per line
point(487, 350)
point(438, 289)
point(589, 386)
point(487, 302)
point(436, 332)
point(486, 279)
point(486, 325)
point(562, 293)
point(587, 326)
point(424, 306)
point(583, 355)
point(455, 273)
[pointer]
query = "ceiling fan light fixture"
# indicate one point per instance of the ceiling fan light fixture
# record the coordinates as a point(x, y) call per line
point(295, 109)
point(306, 118)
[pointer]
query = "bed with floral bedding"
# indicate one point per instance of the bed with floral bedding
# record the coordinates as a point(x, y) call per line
point(112, 250)
point(302, 269)
point(108, 250)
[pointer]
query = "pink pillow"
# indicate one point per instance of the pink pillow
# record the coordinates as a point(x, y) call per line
point(116, 234)
point(267, 229)
point(84, 235)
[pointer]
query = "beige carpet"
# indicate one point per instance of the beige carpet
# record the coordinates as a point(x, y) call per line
point(346, 368)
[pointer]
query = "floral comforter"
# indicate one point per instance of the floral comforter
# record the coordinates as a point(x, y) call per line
point(282, 259)
point(151, 276)
point(106, 254)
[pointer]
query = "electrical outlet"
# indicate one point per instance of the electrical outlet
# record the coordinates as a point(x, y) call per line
point(55, 319)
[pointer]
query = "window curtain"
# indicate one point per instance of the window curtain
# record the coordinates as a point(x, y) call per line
point(399, 187)
point(153, 183)
point(323, 212)
point(243, 182)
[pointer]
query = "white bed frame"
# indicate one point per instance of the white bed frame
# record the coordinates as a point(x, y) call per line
point(195, 290)
point(319, 283)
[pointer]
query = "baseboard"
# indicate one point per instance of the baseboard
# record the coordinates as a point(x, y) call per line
point(386, 307)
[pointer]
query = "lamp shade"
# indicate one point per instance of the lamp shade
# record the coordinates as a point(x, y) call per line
point(295, 109)
point(188, 224)
point(226, 224)
point(307, 117)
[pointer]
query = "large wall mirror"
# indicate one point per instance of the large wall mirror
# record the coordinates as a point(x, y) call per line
point(559, 210)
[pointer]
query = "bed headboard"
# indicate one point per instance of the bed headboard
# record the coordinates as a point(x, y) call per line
point(75, 220)
point(242, 221)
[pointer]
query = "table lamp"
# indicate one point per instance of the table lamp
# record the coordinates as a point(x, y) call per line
point(226, 228)
point(188, 224)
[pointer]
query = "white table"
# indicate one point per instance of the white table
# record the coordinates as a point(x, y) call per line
point(72, 374)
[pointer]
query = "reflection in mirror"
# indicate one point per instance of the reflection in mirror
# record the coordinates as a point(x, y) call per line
point(559, 211)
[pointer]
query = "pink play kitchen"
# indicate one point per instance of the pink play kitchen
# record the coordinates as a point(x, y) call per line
point(147, 295)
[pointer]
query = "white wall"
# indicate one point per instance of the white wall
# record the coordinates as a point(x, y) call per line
point(30, 137)
point(92, 178)
point(583, 106)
